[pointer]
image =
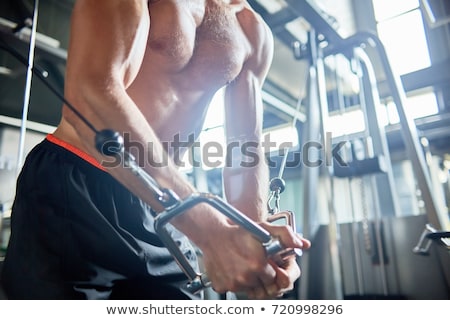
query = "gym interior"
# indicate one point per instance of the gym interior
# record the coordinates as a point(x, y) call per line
point(357, 113)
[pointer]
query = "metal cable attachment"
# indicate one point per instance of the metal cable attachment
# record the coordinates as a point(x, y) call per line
point(276, 216)
point(276, 187)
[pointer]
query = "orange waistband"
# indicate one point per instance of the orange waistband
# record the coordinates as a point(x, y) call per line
point(83, 155)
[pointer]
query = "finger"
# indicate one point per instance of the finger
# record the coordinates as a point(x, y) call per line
point(272, 291)
point(267, 275)
point(287, 237)
point(267, 286)
point(287, 275)
point(258, 294)
point(254, 281)
point(282, 284)
point(264, 292)
point(306, 242)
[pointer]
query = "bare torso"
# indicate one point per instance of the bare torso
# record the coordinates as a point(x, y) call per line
point(194, 48)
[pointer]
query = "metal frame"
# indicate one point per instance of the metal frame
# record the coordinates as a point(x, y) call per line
point(333, 43)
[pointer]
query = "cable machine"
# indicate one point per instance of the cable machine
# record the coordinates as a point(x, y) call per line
point(367, 163)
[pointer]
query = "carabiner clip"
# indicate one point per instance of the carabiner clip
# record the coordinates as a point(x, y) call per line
point(277, 186)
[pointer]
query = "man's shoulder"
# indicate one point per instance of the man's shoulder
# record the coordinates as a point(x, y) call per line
point(260, 38)
point(253, 24)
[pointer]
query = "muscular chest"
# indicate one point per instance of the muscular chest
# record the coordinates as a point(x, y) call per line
point(201, 39)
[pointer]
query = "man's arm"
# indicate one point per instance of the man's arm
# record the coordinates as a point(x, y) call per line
point(246, 180)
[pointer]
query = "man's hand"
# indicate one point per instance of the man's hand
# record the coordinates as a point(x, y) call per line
point(289, 271)
point(235, 261)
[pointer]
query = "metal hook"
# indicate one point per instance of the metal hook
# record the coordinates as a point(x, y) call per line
point(277, 186)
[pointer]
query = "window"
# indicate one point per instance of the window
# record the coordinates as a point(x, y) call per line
point(346, 123)
point(213, 147)
point(386, 9)
point(401, 29)
point(418, 106)
point(212, 138)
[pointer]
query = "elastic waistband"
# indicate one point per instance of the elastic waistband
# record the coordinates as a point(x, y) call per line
point(80, 153)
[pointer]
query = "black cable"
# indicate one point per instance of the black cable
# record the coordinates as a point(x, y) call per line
point(42, 75)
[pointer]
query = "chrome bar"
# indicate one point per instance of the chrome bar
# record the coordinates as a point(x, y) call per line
point(27, 92)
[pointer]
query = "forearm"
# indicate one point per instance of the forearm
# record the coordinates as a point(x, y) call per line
point(123, 116)
point(246, 174)
point(246, 185)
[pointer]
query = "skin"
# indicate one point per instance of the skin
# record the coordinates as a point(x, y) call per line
point(150, 70)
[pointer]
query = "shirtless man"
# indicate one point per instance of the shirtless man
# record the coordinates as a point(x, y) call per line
point(147, 69)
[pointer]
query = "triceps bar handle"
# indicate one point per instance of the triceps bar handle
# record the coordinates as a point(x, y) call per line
point(198, 281)
point(429, 235)
point(110, 143)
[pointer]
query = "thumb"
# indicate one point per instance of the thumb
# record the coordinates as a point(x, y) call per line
point(287, 237)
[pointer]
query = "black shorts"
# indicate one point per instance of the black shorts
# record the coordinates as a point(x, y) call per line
point(76, 233)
